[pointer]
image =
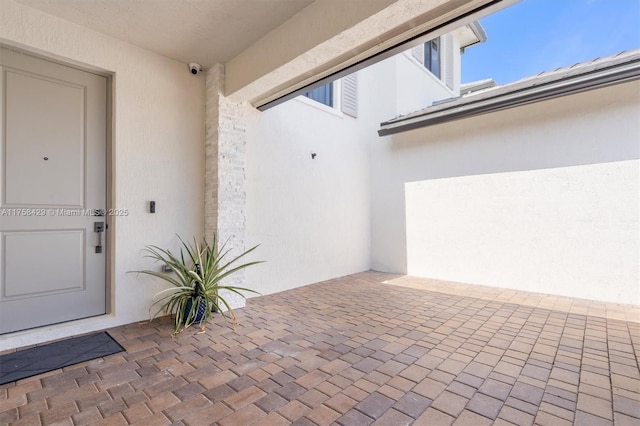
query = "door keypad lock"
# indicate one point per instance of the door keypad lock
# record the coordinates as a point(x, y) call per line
point(98, 227)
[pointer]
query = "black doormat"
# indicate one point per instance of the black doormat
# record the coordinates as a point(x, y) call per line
point(40, 359)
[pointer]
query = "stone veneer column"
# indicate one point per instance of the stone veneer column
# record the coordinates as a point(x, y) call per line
point(225, 197)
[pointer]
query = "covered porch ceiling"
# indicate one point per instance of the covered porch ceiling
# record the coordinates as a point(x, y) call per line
point(203, 31)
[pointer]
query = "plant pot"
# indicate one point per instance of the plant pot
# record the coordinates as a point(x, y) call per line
point(200, 311)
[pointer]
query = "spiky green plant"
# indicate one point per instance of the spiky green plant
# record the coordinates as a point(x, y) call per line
point(196, 279)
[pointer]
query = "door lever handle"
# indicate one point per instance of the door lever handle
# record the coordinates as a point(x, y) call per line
point(98, 227)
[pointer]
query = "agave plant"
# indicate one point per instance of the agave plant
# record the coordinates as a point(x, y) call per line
point(196, 277)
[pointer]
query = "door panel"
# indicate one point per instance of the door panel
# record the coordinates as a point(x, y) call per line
point(60, 268)
point(45, 162)
point(52, 177)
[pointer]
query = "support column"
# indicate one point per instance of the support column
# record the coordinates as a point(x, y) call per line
point(225, 152)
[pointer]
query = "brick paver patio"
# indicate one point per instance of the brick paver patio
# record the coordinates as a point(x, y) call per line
point(369, 348)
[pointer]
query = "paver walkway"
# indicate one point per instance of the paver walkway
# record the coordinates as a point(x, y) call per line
point(367, 348)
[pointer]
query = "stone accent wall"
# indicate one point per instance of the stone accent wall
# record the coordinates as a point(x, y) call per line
point(225, 151)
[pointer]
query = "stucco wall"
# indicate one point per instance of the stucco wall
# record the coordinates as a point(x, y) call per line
point(543, 198)
point(158, 152)
point(310, 216)
point(416, 87)
point(396, 86)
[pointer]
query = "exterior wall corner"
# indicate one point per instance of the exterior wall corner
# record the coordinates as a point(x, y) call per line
point(225, 176)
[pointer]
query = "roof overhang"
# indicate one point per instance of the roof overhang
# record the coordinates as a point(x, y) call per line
point(470, 34)
point(475, 86)
point(582, 77)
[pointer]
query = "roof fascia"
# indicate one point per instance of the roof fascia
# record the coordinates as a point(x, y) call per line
point(617, 74)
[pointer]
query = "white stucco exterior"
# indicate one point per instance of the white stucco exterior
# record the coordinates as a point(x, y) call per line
point(571, 231)
point(540, 198)
point(409, 85)
point(416, 87)
point(310, 216)
point(157, 154)
point(525, 201)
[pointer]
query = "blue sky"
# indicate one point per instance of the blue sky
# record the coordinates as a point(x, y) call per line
point(540, 35)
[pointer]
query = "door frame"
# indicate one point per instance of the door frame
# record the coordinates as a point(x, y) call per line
point(109, 234)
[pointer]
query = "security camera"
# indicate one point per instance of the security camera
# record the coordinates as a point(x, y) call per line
point(195, 68)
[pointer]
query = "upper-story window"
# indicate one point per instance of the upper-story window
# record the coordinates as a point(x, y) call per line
point(322, 94)
point(341, 94)
point(432, 56)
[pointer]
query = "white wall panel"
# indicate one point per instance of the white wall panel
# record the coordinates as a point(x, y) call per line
point(569, 230)
point(541, 198)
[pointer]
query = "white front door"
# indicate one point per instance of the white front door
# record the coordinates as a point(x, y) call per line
point(52, 178)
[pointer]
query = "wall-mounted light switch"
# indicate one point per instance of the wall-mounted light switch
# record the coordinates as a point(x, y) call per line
point(152, 206)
